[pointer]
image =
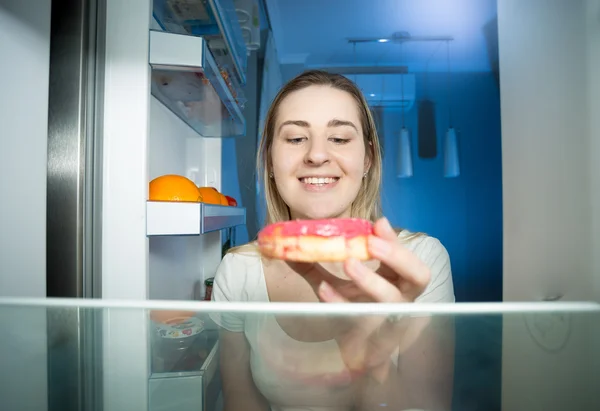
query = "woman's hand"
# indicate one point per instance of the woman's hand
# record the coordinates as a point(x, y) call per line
point(401, 277)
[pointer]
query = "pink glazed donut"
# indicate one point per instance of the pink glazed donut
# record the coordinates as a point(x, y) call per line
point(328, 240)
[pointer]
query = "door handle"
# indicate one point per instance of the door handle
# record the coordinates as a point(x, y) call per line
point(552, 298)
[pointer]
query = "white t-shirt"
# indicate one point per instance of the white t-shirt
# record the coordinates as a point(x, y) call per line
point(294, 375)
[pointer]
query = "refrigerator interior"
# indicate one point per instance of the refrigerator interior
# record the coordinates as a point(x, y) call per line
point(169, 98)
point(178, 265)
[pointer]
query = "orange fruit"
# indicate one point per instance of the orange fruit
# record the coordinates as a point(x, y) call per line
point(224, 200)
point(210, 195)
point(172, 187)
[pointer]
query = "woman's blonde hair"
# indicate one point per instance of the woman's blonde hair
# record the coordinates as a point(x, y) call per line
point(367, 204)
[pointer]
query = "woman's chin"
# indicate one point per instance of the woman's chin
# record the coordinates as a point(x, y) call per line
point(320, 213)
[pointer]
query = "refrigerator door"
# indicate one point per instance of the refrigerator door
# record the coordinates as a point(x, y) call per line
point(72, 214)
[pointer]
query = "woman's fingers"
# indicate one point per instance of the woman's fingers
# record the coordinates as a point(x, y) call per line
point(381, 372)
point(397, 336)
point(384, 230)
point(386, 339)
point(385, 247)
point(371, 283)
point(329, 295)
point(375, 340)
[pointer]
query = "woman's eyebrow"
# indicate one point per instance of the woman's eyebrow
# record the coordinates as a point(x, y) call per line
point(339, 123)
point(299, 123)
point(332, 123)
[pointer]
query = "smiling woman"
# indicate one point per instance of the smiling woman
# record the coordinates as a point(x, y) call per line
point(318, 162)
point(320, 126)
point(320, 158)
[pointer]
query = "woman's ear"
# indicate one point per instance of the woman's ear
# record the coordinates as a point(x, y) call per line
point(368, 156)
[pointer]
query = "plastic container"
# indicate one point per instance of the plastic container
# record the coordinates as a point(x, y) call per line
point(179, 347)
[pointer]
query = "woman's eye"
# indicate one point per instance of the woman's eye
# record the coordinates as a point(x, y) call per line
point(295, 140)
point(339, 140)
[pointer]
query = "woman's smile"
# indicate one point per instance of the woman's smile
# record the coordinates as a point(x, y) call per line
point(317, 184)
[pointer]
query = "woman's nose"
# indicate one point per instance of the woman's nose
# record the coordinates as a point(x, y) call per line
point(317, 153)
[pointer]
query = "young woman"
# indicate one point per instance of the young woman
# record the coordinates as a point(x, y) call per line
point(320, 157)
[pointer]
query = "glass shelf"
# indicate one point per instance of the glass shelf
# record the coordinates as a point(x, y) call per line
point(187, 80)
point(165, 218)
point(214, 20)
point(542, 356)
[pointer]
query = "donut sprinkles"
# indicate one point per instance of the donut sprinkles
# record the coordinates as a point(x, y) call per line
point(327, 240)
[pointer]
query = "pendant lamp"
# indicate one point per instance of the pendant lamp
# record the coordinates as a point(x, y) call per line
point(451, 163)
point(404, 165)
point(451, 160)
point(404, 160)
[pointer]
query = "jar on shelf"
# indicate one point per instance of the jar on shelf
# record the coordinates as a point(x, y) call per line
point(208, 283)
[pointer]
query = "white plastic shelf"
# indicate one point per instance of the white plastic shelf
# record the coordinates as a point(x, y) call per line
point(188, 81)
point(178, 218)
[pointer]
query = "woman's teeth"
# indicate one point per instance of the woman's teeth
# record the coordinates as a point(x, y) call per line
point(318, 180)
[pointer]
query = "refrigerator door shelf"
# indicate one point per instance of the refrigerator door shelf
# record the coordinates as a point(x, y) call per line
point(216, 21)
point(178, 218)
point(196, 390)
point(188, 81)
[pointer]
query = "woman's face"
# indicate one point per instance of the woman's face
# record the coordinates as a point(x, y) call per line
point(318, 152)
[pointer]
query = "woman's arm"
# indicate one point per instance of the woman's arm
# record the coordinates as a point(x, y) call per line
point(424, 375)
point(239, 391)
point(426, 370)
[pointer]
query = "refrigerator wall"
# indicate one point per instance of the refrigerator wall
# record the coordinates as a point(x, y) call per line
point(561, 124)
point(25, 37)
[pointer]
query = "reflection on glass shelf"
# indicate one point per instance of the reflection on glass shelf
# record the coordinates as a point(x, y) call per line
point(214, 20)
point(187, 218)
point(186, 79)
point(184, 359)
point(160, 355)
point(181, 343)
